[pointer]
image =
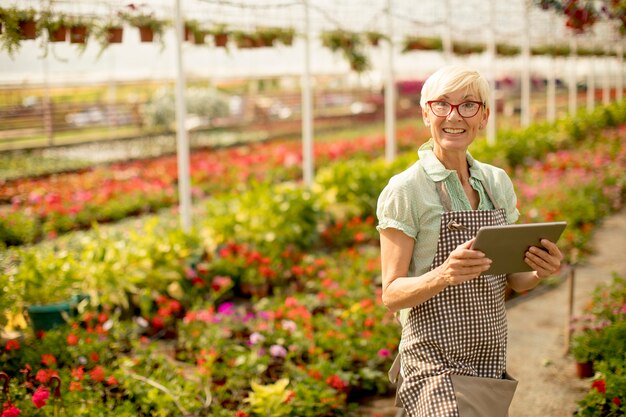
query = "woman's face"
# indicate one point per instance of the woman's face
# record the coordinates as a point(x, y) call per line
point(455, 133)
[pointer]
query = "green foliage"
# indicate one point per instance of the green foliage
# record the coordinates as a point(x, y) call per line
point(269, 400)
point(12, 36)
point(271, 217)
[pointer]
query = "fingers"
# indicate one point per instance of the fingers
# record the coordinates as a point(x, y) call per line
point(545, 262)
point(464, 264)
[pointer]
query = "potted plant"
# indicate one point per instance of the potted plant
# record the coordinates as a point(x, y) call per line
point(194, 32)
point(349, 44)
point(79, 29)
point(503, 49)
point(146, 21)
point(586, 348)
point(56, 24)
point(18, 25)
point(220, 35)
point(374, 38)
point(245, 40)
point(467, 48)
point(419, 43)
point(45, 283)
point(111, 31)
point(286, 36)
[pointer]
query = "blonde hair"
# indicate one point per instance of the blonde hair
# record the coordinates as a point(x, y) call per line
point(454, 78)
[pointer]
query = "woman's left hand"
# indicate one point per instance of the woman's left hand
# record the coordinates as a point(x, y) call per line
point(544, 262)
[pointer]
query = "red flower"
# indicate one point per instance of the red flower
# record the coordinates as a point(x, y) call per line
point(336, 382)
point(72, 339)
point(97, 374)
point(78, 373)
point(112, 381)
point(240, 413)
point(94, 356)
point(75, 386)
point(48, 359)
point(40, 397)
point(616, 401)
point(599, 385)
point(10, 411)
point(12, 344)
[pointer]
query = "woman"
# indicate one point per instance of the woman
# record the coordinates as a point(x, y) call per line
point(453, 345)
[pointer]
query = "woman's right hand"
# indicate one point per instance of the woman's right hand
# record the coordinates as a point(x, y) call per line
point(463, 264)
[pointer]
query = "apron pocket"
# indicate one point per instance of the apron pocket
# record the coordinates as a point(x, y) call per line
point(479, 397)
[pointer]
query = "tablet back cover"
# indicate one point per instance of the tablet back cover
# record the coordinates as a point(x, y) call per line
point(506, 245)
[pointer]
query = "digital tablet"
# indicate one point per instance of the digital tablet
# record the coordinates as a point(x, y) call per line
point(506, 245)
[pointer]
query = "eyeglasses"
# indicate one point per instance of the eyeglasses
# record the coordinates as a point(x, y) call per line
point(466, 109)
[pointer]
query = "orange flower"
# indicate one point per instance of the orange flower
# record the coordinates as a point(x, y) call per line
point(97, 374)
point(72, 339)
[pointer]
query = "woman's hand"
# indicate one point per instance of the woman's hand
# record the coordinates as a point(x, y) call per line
point(544, 262)
point(463, 264)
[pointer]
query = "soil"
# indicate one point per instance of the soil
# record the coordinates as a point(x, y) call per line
point(538, 322)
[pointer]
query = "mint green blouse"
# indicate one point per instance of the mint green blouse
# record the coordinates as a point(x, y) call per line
point(410, 202)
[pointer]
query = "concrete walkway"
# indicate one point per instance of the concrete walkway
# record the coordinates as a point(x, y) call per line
point(548, 385)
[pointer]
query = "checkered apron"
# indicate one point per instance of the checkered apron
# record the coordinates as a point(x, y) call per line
point(461, 330)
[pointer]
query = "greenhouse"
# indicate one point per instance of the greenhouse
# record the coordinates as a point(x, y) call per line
point(192, 201)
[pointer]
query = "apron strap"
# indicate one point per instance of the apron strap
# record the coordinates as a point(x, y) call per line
point(444, 197)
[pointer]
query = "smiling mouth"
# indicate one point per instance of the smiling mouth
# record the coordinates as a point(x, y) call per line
point(453, 131)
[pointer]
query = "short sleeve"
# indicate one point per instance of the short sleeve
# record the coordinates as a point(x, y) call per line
point(395, 210)
point(509, 202)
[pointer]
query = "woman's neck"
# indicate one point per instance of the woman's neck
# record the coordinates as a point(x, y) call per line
point(456, 161)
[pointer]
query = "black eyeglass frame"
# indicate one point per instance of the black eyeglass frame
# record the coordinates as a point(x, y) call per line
point(455, 106)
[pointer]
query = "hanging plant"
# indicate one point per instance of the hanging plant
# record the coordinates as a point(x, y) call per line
point(150, 27)
point(194, 32)
point(18, 25)
point(503, 49)
point(374, 38)
point(467, 48)
point(246, 40)
point(220, 35)
point(109, 32)
point(79, 29)
point(55, 24)
point(350, 45)
point(418, 43)
point(552, 50)
point(286, 36)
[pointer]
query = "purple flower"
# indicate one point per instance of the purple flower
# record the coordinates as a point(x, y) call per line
point(278, 351)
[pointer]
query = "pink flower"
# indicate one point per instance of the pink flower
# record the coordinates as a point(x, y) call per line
point(10, 411)
point(40, 397)
point(278, 351)
point(384, 353)
point(256, 338)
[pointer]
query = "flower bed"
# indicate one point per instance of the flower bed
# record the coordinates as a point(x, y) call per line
point(172, 325)
point(602, 340)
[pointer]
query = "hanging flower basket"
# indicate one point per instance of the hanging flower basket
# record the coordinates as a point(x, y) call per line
point(374, 38)
point(78, 33)
point(146, 34)
point(553, 50)
point(413, 43)
point(28, 29)
point(467, 48)
point(503, 49)
point(115, 34)
point(58, 35)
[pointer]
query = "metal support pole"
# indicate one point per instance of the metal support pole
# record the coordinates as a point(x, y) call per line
point(491, 126)
point(551, 88)
point(307, 104)
point(390, 93)
point(619, 94)
point(572, 87)
point(606, 82)
point(591, 86)
point(570, 307)
point(525, 115)
point(447, 33)
point(182, 140)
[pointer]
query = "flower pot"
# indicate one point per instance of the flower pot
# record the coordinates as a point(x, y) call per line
point(220, 40)
point(146, 34)
point(28, 29)
point(78, 34)
point(48, 316)
point(58, 35)
point(584, 369)
point(115, 34)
